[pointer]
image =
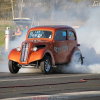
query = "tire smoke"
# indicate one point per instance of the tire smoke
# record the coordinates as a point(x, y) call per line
point(89, 38)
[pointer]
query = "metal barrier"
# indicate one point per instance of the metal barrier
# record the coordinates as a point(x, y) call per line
point(8, 38)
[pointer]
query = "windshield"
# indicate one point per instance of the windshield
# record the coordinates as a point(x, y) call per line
point(40, 34)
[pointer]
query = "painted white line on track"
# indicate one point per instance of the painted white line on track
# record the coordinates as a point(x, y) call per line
point(73, 95)
point(45, 77)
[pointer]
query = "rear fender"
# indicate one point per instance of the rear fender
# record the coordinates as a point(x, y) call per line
point(38, 55)
point(14, 55)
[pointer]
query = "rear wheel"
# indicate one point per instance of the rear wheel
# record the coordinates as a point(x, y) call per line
point(46, 65)
point(13, 67)
point(77, 57)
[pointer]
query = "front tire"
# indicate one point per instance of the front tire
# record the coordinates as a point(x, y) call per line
point(13, 67)
point(46, 65)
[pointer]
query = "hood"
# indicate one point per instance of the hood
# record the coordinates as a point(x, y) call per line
point(37, 41)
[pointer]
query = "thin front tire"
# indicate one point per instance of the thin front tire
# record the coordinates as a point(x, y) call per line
point(13, 67)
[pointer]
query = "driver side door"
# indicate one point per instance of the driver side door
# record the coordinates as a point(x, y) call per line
point(61, 47)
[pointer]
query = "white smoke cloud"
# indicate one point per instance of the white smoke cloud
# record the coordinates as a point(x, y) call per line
point(89, 38)
point(89, 33)
point(82, 68)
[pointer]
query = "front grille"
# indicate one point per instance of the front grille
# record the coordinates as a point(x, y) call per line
point(24, 52)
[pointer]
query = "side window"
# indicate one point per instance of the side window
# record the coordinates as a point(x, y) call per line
point(71, 35)
point(60, 36)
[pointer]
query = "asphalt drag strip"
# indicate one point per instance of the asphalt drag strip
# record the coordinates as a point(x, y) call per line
point(30, 86)
point(81, 81)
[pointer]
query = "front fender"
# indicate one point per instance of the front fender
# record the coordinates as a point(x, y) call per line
point(14, 55)
point(38, 55)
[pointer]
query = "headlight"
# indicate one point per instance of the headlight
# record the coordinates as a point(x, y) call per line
point(18, 49)
point(35, 49)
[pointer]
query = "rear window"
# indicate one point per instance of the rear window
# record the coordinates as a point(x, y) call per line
point(72, 35)
point(40, 34)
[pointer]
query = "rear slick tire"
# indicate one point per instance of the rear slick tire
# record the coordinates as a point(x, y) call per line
point(77, 57)
point(46, 65)
point(13, 67)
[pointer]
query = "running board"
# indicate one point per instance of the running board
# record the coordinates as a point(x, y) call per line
point(54, 66)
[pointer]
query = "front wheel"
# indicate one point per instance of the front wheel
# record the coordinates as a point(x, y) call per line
point(13, 67)
point(46, 65)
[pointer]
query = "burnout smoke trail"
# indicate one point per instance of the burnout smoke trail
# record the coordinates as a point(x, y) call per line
point(89, 38)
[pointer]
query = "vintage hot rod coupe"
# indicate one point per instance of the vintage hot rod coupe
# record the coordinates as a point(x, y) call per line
point(45, 47)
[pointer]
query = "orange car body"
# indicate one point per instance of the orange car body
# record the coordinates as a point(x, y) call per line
point(60, 51)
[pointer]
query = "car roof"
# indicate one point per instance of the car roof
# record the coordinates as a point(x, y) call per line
point(55, 27)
